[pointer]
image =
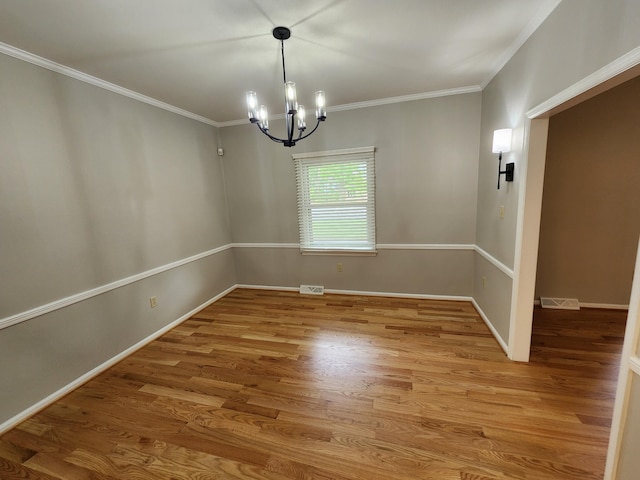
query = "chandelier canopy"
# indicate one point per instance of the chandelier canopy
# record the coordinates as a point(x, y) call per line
point(294, 112)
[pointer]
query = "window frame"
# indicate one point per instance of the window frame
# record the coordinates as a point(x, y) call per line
point(306, 161)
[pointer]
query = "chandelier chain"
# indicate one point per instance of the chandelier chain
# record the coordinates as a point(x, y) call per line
point(284, 71)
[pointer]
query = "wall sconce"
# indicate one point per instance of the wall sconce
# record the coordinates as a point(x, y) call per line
point(502, 144)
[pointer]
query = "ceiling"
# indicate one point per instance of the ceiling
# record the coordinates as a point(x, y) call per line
point(203, 55)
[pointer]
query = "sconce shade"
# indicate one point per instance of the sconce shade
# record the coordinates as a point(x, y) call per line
point(501, 140)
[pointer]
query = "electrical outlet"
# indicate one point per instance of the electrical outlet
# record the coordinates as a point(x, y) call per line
point(484, 282)
point(501, 212)
point(339, 266)
point(153, 301)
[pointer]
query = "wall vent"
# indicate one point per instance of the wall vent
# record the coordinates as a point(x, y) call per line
point(312, 289)
point(560, 303)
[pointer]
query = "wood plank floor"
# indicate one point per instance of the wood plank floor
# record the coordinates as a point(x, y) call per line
point(274, 385)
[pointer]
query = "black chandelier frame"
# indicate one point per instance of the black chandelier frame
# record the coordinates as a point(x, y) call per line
point(282, 34)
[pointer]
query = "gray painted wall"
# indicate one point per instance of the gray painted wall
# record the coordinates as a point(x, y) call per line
point(95, 188)
point(577, 39)
point(426, 180)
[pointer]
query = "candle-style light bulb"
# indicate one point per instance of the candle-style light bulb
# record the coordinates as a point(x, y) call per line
point(252, 106)
point(263, 116)
point(321, 106)
point(302, 124)
point(291, 100)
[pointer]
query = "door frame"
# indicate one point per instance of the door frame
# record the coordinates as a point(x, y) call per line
point(530, 196)
point(629, 372)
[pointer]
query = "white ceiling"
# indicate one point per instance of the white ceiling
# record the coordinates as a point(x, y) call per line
point(202, 55)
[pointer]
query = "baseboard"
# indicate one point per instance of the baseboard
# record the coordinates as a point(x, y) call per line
point(605, 306)
point(494, 332)
point(267, 287)
point(457, 298)
point(364, 293)
point(45, 402)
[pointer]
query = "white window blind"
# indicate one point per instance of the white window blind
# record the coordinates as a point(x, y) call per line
point(336, 200)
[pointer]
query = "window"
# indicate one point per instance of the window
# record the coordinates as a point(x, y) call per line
point(336, 200)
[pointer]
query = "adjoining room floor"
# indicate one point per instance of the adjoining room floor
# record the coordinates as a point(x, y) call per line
point(275, 385)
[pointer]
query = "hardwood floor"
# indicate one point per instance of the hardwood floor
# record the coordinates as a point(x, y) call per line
point(274, 385)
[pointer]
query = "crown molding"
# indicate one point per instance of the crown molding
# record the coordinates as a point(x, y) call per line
point(528, 30)
point(14, 52)
point(86, 78)
point(375, 103)
point(406, 98)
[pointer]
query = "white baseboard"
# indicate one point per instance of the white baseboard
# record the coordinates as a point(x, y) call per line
point(494, 332)
point(605, 306)
point(362, 292)
point(484, 317)
point(399, 295)
point(608, 306)
point(45, 402)
point(267, 287)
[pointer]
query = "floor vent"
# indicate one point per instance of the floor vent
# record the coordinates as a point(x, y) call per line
point(312, 289)
point(560, 303)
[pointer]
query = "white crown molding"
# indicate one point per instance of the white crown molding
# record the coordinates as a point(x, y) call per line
point(45, 402)
point(79, 297)
point(406, 98)
point(83, 77)
point(528, 30)
point(375, 103)
point(620, 65)
point(494, 261)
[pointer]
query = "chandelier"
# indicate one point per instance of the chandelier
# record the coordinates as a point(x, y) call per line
point(294, 112)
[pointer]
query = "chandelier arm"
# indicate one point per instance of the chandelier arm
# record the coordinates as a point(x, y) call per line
point(314, 129)
point(275, 139)
point(291, 105)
